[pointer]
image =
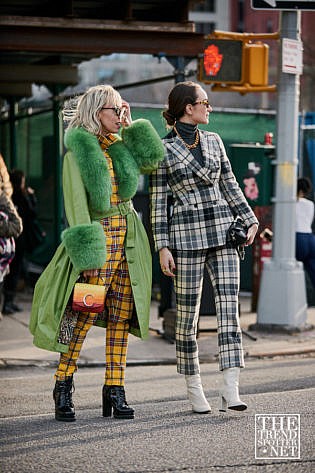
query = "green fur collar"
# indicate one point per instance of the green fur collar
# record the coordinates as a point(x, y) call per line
point(94, 170)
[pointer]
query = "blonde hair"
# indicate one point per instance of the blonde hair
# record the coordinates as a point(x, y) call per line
point(83, 111)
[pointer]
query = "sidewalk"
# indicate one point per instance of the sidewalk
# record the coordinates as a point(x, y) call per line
point(17, 349)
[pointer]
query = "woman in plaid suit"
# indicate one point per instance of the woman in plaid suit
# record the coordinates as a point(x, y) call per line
point(206, 199)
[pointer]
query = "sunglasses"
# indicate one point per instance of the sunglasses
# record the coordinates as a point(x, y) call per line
point(203, 102)
point(117, 110)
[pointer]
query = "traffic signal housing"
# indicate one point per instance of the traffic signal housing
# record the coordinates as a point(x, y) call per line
point(222, 61)
point(233, 61)
point(256, 57)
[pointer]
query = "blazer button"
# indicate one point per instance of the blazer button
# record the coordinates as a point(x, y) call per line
point(131, 260)
point(134, 283)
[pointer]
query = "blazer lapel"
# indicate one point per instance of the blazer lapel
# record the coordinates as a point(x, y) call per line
point(184, 155)
point(205, 150)
point(207, 147)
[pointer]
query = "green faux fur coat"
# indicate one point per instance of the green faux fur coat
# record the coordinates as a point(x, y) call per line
point(87, 191)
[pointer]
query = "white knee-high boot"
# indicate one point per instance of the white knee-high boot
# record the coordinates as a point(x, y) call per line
point(229, 396)
point(196, 394)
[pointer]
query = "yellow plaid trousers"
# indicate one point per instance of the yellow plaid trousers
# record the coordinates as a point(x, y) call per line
point(119, 305)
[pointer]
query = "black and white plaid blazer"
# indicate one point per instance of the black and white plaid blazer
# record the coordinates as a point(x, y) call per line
point(205, 199)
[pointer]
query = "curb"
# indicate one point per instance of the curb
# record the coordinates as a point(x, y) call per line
point(12, 363)
point(284, 353)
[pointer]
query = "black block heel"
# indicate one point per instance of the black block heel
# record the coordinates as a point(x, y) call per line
point(107, 405)
point(114, 398)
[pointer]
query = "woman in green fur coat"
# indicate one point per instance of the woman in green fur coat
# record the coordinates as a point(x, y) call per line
point(105, 244)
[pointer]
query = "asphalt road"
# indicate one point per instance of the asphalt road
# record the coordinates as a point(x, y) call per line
point(165, 435)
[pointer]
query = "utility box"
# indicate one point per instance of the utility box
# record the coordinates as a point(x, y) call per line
point(261, 249)
point(253, 167)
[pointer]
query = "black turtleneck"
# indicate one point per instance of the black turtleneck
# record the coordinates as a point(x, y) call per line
point(188, 133)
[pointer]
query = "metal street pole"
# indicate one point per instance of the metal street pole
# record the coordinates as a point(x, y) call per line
point(282, 296)
point(58, 137)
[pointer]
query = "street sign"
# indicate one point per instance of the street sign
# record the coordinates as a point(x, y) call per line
point(292, 62)
point(283, 5)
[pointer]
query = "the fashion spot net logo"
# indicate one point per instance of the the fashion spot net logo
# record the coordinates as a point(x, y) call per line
point(277, 436)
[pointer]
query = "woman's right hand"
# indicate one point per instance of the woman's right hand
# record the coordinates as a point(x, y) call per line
point(167, 262)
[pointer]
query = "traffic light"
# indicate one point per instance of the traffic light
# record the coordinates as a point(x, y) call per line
point(222, 61)
point(256, 63)
point(236, 63)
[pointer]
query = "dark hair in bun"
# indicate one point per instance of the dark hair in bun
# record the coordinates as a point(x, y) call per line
point(181, 95)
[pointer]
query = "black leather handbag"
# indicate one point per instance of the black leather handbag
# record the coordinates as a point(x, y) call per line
point(237, 236)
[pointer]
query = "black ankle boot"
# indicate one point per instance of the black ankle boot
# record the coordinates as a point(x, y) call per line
point(62, 394)
point(114, 397)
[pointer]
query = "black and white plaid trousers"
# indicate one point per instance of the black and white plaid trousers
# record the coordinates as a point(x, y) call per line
point(223, 267)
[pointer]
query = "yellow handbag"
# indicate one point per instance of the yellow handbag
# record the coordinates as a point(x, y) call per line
point(88, 297)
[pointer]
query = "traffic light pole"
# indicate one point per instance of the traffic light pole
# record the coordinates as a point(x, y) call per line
point(282, 296)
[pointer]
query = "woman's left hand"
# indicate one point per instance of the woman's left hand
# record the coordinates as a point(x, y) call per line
point(125, 116)
point(251, 233)
point(89, 273)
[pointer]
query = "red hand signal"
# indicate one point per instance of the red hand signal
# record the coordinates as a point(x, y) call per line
point(212, 60)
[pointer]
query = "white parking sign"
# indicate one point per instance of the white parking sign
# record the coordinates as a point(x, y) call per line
point(292, 62)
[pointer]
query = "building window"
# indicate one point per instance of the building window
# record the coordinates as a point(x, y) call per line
point(206, 6)
point(205, 28)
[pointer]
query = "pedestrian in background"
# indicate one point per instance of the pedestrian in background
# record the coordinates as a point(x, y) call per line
point(305, 239)
point(10, 229)
point(5, 182)
point(206, 199)
point(105, 243)
point(25, 201)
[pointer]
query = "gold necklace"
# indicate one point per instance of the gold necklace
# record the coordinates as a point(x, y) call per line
point(194, 144)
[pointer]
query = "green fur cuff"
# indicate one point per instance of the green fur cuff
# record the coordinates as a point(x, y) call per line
point(144, 143)
point(86, 245)
point(126, 170)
